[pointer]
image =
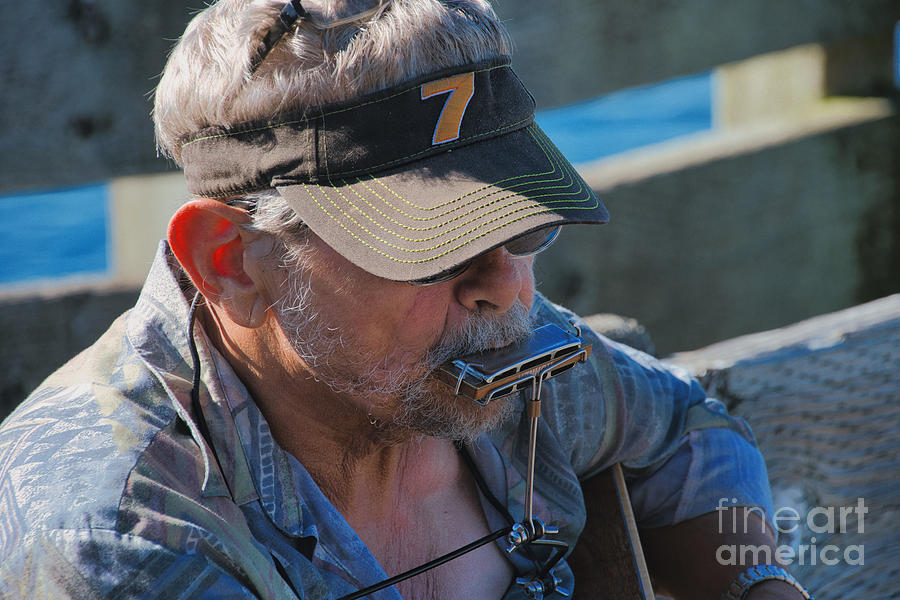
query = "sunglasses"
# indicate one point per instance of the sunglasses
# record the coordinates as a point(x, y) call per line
point(519, 247)
point(293, 13)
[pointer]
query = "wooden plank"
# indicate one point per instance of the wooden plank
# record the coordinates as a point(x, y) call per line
point(818, 332)
point(823, 398)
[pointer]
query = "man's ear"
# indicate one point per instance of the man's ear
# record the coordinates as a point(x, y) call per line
point(207, 240)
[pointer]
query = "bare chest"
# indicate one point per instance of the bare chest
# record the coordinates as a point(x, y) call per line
point(420, 531)
point(481, 573)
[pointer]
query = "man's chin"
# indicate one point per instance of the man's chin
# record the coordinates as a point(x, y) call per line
point(447, 416)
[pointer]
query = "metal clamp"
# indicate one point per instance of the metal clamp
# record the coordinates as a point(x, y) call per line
point(537, 587)
point(527, 533)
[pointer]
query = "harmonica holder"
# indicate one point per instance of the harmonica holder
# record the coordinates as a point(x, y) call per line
point(551, 352)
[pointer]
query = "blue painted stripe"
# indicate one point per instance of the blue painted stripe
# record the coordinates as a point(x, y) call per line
point(54, 233)
point(630, 118)
point(897, 55)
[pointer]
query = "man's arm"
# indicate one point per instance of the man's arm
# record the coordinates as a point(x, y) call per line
point(685, 559)
point(686, 459)
point(682, 558)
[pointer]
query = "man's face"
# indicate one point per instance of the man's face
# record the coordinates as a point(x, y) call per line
point(375, 341)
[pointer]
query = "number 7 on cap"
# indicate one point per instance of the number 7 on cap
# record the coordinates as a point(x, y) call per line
point(461, 89)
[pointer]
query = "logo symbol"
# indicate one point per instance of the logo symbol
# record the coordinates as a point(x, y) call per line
point(460, 88)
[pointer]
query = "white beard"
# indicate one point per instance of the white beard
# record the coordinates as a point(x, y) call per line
point(406, 390)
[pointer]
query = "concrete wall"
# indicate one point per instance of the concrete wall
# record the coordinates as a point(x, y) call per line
point(77, 76)
point(599, 47)
point(74, 103)
point(750, 237)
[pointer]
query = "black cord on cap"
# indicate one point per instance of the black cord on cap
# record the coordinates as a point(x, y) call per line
point(292, 12)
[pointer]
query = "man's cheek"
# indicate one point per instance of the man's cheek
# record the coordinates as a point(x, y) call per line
point(526, 296)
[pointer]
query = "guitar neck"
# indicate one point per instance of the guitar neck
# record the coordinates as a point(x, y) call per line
point(608, 561)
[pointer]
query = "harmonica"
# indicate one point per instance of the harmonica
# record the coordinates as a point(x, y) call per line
point(486, 376)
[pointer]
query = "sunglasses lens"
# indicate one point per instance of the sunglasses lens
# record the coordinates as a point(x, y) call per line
point(532, 243)
point(524, 245)
point(442, 277)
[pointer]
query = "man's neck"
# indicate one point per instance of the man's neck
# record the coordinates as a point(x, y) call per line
point(409, 498)
point(360, 464)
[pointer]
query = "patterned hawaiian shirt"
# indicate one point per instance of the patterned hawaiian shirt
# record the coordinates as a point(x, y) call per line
point(109, 490)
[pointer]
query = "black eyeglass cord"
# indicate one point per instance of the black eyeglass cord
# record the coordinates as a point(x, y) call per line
point(496, 535)
point(290, 14)
point(195, 359)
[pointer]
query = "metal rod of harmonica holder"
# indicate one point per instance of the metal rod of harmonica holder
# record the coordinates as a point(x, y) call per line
point(534, 414)
point(531, 530)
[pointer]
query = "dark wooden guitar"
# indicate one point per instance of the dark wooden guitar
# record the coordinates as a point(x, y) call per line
point(608, 561)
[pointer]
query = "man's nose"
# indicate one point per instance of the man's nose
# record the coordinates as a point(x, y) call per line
point(494, 281)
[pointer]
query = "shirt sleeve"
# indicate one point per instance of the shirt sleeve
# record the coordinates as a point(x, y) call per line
point(712, 468)
point(680, 450)
point(98, 563)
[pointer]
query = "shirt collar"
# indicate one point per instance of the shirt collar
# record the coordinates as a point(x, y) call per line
point(247, 464)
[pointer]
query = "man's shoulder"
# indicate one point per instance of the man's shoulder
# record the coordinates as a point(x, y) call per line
point(104, 394)
point(102, 494)
point(546, 311)
point(67, 452)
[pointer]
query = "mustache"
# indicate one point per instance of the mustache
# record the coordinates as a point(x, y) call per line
point(481, 332)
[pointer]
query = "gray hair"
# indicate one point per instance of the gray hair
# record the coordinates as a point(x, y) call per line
point(207, 80)
point(273, 215)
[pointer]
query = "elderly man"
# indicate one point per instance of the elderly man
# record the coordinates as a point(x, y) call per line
point(370, 188)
